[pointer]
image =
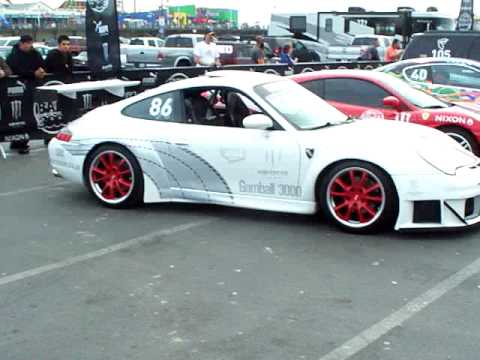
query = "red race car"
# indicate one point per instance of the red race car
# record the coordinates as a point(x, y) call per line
point(366, 94)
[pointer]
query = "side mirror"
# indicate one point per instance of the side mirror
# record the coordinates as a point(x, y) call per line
point(257, 122)
point(392, 102)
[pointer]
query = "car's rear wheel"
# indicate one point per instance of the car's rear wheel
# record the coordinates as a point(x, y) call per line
point(184, 63)
point(358, 197)
point(114, 177)
point(463, 137)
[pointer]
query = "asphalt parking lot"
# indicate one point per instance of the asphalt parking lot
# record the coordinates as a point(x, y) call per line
point(79, 281)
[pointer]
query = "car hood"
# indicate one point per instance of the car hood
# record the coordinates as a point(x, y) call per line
point(389, 142)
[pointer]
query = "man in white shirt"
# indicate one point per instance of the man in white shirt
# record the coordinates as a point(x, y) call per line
point(206, 52)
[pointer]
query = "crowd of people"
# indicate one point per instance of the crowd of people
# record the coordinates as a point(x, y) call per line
point(28, 64)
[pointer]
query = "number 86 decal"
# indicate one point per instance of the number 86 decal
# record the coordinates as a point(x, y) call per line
point(159, 108)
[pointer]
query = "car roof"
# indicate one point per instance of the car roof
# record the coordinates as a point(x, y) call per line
point(242, 80)
point(327, 74)
point(443, 60)
point(446, 33)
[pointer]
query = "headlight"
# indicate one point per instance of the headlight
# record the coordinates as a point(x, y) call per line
point(446, 156)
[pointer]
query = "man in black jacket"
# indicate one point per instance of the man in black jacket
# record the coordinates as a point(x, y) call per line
point(27, 63)
point(59, 61)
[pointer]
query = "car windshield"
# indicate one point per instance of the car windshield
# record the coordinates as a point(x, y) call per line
point(3, 42)
point(303, 109)
point(414, 96)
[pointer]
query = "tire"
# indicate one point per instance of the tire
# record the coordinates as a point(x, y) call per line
point(114, 177)
point(183, 63)
point(463, 137)
point(370, 205)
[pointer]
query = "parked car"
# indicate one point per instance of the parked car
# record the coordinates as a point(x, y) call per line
point(442, 44)
point(147, 41)
point(5, 51)
point(178, 51)
point(452, 80)
point(77, 44)
point(303, 50)
point(368, 94)
point(80, 61)
point(9, 40)
point(359, 45)
point(42, 49)
point(277, 147)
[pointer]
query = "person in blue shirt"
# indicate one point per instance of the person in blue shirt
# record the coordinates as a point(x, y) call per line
point(285, 56)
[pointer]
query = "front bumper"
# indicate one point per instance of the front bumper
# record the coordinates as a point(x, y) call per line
point(452, 201)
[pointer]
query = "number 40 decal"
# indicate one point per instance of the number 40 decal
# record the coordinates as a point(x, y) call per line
point(160, 108)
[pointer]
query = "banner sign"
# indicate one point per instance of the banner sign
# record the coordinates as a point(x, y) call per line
point(465, 20)
point(103, 44)
point(29, 113)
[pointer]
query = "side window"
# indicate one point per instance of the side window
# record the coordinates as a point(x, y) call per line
point(184, 42)
point(418, 73)
point(454, 75)
point(355, 92)
point(163, 107)
point(315, 86)
point(151, 43)
point(136, 42)
point(171, 42)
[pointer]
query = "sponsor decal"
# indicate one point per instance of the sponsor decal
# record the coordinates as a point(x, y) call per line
point(404, 117)
point(149, 81)
point(372, 114)
point(17, 90)
point(441, 50)
point(16, 109)
point(310, 153)
point(46, 113)
point(454, 119)
point(233, 155)
point(87, 102)
point(18, 137)
point(98, 6)
point(261, 188)
point(17, 124)
point(425, 116)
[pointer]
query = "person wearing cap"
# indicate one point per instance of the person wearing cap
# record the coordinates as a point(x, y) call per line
point(206, 52)
point(27, 63)
point(258, 53)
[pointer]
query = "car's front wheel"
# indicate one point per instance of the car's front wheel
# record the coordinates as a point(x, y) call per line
point(358, 197)
point(113, 175)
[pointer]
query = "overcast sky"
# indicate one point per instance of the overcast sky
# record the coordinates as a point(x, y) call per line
point(252, 11)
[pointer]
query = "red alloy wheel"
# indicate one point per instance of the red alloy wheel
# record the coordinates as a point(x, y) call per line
point(111, 177)
point(356, 197)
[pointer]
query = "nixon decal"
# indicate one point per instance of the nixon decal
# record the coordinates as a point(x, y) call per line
point(454, 119)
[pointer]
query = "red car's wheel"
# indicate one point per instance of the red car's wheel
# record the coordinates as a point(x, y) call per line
point(114, 177)
point(463, 137)
point(358, 197)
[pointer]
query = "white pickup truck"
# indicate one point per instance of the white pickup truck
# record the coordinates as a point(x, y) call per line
point(359, 44)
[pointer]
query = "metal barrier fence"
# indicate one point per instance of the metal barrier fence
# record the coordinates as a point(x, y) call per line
point(27, 113)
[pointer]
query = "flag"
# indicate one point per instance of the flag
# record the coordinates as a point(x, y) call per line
point(103, 43)
point(465, 20)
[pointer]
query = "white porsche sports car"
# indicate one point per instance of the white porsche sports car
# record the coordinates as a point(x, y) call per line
point(263, 142)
